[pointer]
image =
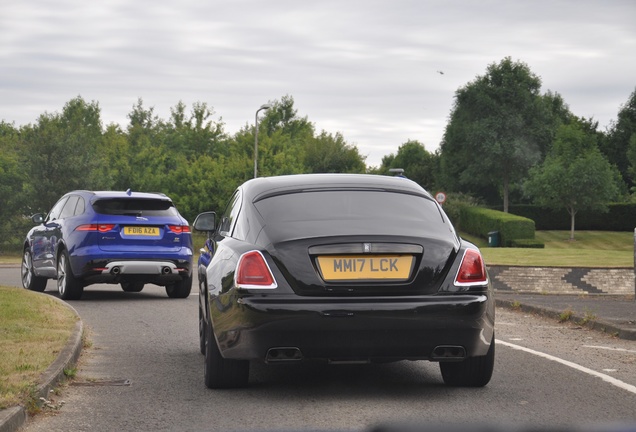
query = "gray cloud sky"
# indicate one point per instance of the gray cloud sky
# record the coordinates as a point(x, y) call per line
point(367, 69)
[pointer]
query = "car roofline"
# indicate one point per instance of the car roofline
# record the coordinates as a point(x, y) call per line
point(263, 187)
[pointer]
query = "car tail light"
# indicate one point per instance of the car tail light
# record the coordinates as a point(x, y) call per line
point(179, 229)
point(96, 227)
point(252, 271)
point(472, 270)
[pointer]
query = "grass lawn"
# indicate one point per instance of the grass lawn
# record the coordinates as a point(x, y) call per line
point(33, 330)
point(589, 249)
point(10, 258)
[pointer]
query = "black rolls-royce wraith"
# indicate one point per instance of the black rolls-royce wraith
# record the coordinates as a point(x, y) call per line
point(341, 268)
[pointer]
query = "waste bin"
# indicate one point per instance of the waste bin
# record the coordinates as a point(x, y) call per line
point(493, 239)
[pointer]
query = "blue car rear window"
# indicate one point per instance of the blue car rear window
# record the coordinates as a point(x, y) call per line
point(134, 207)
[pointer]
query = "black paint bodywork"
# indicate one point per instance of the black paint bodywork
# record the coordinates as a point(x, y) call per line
point(285, 219)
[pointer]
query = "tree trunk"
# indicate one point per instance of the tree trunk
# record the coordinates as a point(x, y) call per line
point(506, 187)
point(572, 217)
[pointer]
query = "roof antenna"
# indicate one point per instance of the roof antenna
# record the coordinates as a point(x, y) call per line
point(398, 172)
point(129, 192)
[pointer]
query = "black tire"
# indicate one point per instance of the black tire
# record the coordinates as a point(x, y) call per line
point(180, 289)
point(472, 372)
point(29, 280)
point(132, 287)
point(221, 373)
point(68, 286)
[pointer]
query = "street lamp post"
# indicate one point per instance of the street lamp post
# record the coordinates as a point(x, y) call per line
point(263, 107)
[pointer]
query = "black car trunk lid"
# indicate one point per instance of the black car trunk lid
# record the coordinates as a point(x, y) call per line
point(371, 266)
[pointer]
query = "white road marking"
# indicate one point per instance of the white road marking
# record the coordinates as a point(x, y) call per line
point(618, 383)
point(610, 348)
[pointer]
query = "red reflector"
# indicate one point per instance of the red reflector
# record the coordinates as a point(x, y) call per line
point(472, 270)
point(252, 271)
point(179, 229)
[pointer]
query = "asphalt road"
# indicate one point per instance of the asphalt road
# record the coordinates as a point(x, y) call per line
point(143, 371)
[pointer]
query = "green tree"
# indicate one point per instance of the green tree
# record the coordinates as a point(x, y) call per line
point(59, 152)
point(574, 175)
point(279, 154)
point(148, 152)
point(11, 174)
point(419, 165)
point(631, 157)
point(283, 116)
point(115, 168)
point(197, 134)
point(330, 153)
point(617, 146)
point(12, 179)
point(496, 130)
point(554, 112)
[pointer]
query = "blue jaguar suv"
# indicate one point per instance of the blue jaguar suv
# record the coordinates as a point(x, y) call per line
point(127, 238)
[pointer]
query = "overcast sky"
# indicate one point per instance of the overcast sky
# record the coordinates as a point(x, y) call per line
point(379, 72)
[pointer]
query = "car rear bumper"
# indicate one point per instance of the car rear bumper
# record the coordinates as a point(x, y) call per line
point(133, 267)
point(367, 329)
point(160, 269)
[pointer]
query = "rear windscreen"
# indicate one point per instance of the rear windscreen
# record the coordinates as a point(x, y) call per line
point(377, 208)
point(135, 207)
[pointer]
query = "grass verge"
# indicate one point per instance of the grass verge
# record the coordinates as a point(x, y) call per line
point(604, 249)
point(34, 328)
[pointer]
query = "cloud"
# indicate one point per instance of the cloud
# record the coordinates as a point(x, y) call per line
point(367, 69)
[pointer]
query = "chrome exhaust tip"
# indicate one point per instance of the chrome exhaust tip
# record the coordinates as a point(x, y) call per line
point(283, 354)
point(448, 352)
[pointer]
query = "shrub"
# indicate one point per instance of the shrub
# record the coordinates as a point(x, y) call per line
point(454, 203)
point(620, 217)
point(480, 221)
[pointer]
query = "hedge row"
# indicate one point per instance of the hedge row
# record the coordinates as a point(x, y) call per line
point(620, 217)
point(481, 221)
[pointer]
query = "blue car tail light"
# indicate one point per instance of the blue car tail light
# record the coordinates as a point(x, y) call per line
point(95, 227)
point(179, 229)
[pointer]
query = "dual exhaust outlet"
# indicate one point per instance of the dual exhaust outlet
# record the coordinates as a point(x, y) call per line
point(116, 270)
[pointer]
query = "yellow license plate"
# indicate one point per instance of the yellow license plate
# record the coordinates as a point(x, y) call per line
point(142, 231)
point(365, 267)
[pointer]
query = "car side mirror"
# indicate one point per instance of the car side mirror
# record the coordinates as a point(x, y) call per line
point(205, 222)
point(37, 218)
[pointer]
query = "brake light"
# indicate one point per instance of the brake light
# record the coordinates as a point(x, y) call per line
point(96, 227)
point(252, 271)
point(179, 229)
point(472, 270)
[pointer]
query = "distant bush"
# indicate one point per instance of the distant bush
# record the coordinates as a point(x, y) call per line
point(454, 202)
point(480, 221)
point(620, 217)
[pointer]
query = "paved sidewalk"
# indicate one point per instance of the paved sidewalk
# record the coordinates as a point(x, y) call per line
point(615, 315)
